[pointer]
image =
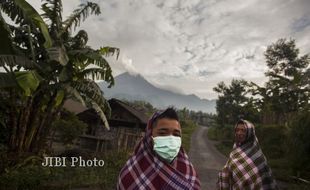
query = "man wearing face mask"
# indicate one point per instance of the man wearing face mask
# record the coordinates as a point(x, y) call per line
point(159, 161)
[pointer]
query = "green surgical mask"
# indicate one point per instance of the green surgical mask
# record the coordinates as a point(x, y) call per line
point(167, 147)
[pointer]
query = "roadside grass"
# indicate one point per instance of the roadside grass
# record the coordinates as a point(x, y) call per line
point(188, 127)
point(35, 177)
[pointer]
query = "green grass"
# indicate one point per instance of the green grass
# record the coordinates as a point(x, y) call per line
point(224, 148)
point(35, 177)
point(188, 127)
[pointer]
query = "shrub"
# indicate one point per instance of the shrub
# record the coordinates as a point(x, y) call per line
point(273, 140)
point(299, 149)
point(69, 127)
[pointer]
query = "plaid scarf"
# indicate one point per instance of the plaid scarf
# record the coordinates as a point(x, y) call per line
point(146, 170)
point(247, 166)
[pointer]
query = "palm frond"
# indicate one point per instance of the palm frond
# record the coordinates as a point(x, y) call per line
point(6, 40)
point(103, 117)
point(72, 93)
point(94, 73)
point(93, 96)
point(28, 81)
point(90, 89)
point(23, 13)
point(53, 11)
point(79, 41)
point(79, 14)
point(88, 56)
point(109, 51)
point(14, 60)
point(58, 54)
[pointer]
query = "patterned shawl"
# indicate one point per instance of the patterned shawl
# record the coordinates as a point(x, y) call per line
point(246, 167)
point(146, 170)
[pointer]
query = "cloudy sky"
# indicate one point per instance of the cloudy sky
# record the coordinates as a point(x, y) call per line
point(191, 45)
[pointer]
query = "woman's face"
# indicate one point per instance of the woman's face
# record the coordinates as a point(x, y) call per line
point(240, 133)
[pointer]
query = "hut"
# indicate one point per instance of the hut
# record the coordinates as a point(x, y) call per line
point(127, 126)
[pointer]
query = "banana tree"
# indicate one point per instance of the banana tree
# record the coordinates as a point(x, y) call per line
point(44, 65)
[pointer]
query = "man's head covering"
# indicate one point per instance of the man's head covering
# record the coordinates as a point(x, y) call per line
point(247, 166)
point(146, 170)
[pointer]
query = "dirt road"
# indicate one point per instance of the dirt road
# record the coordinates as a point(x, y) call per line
point(205, 158)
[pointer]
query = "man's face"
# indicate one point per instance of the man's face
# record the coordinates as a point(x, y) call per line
point(166, 127)
point(240, 133)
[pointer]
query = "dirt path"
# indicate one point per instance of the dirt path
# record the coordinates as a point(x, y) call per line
point(205, 158)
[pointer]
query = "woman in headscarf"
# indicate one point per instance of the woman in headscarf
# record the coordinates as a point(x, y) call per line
point(246, 168)
point(159, 161)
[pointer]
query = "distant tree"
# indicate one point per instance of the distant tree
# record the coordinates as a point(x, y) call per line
point(143, 106)
point(184, 114)
point(288, 88)
point(233, 102)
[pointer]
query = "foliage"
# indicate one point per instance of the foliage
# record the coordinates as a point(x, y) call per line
point(234, 103)
point(188, 127)
point(35, 177)
point(288, 89)
point(299, 149)
point(45, 65)
point(142, 106)
point(69, 127)
point(198, 117)
point(273, 140)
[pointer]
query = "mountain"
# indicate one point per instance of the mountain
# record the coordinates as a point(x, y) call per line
point(131, 87)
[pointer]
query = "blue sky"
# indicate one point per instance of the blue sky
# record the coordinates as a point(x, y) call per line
point(190, 46)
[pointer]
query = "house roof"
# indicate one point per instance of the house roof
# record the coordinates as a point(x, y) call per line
point(78, 108)
point(138, 114)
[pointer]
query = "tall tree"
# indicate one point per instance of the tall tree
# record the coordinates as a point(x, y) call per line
point(45, 65)
point(288, 88)
point(233, 102)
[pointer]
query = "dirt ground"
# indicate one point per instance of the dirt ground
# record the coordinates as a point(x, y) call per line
point(205, 158)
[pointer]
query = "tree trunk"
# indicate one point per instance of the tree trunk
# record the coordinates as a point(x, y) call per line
point(47, 126)
point(23, 123)
point(13, 122)
point(32, 124)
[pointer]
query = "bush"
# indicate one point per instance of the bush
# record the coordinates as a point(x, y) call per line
point(24, 177)
point(221, 133)
point(273, 140)
point(35, 177)
point(69, 128)
point(299, 149)
point(188, 127)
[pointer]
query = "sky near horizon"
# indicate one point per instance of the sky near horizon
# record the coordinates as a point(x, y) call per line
point(190, 46)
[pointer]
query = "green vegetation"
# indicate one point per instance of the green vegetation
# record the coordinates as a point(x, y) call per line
point(69, 127)
point(143, 106)
point(44, 65)
point(32, 176)
point(188, 127)
point(280, 111)
point(45, 62)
